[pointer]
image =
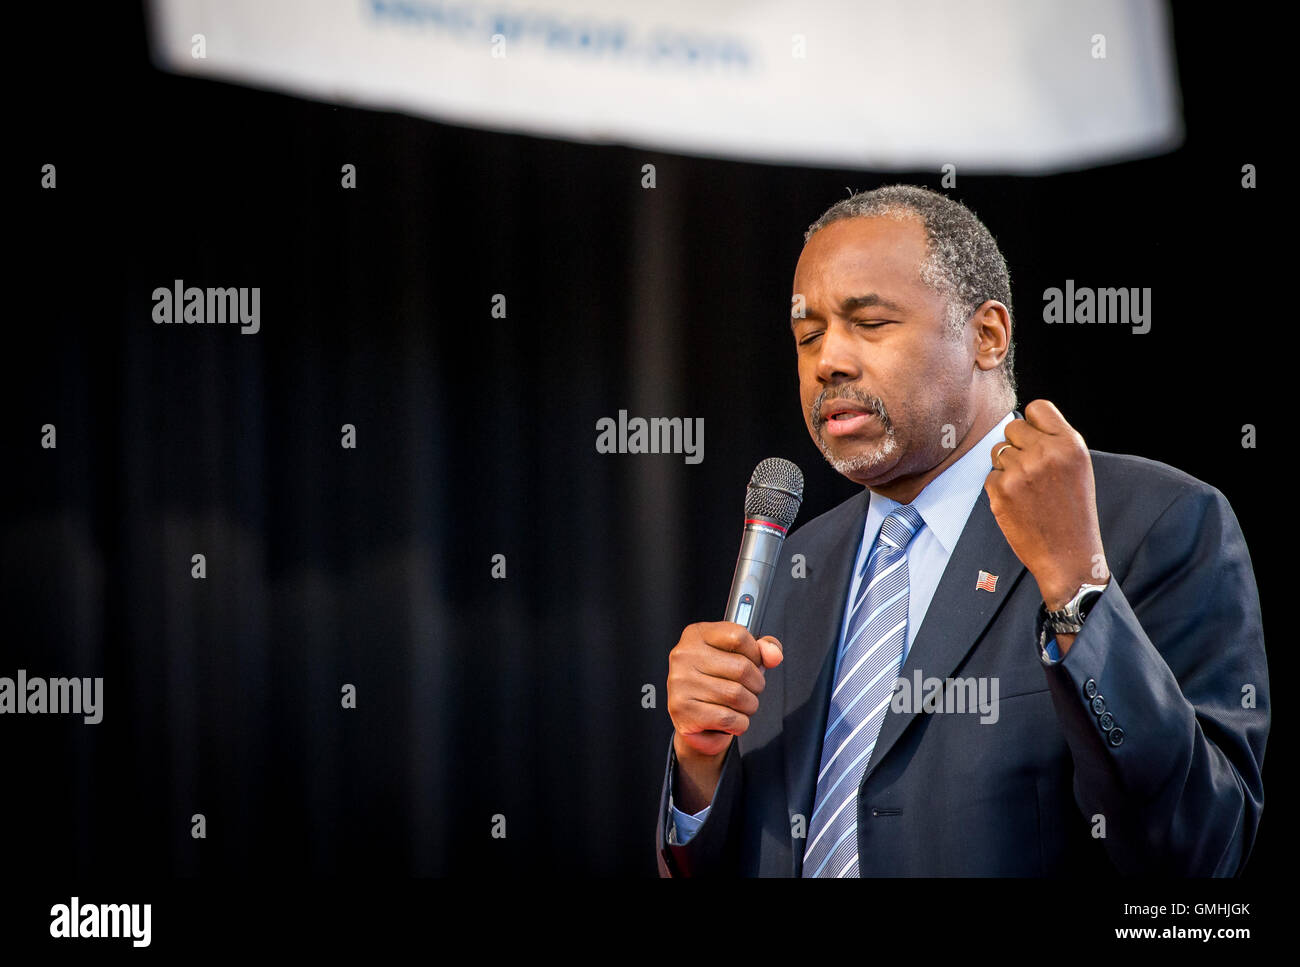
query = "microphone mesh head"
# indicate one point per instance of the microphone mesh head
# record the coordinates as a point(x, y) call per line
point(775, 491)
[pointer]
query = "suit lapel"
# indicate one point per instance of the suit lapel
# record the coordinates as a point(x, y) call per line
point(958, 613)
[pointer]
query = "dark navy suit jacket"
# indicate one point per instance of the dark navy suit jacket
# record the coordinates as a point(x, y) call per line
point(1174, 647)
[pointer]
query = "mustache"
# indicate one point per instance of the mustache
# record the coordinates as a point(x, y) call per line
point(872, 403)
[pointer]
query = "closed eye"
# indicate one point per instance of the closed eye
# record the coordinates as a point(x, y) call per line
point(865, 325)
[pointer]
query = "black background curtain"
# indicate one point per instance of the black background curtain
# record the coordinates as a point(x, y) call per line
point(475, 437)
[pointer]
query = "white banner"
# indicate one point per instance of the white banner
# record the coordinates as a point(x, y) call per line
point(997, 85)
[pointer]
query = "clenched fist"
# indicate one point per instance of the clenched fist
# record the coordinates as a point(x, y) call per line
point(715, 676)
point(1043, 496)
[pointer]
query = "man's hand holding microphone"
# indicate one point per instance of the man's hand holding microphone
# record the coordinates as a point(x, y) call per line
point(716, 671)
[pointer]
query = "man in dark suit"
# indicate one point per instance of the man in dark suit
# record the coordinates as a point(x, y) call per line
point(1009, 655)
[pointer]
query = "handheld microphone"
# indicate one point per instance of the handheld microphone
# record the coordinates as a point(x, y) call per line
point(772, 502)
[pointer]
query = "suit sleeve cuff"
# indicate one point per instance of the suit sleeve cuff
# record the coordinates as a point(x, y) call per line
point(682, 826)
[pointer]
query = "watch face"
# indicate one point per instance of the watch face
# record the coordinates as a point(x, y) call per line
point(1085, 605)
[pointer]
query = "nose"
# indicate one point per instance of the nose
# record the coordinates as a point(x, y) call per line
point(837, 362)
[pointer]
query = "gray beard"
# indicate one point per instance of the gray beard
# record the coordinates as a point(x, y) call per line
point(863, 461)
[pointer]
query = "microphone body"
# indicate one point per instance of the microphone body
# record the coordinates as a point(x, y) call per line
point(760, 549)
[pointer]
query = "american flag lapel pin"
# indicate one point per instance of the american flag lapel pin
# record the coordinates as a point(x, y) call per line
point(986, 582)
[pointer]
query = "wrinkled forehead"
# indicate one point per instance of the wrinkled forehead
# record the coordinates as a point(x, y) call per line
point(868, 254)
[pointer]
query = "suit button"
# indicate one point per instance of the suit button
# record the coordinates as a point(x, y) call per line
point(1106, 721)
point(1116, 736)
point(1090, 689)
point(1098, 705)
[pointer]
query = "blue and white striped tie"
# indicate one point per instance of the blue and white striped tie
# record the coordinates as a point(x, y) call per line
point(868, 669)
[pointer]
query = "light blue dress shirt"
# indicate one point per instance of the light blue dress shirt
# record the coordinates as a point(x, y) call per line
point(944, 505)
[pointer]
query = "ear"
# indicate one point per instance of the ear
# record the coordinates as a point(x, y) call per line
point(991, 326)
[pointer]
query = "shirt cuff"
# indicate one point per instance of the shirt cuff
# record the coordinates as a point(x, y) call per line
point(684, 826)
point(1051, 655)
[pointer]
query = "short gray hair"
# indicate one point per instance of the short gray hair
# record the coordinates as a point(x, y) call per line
point(964, 266)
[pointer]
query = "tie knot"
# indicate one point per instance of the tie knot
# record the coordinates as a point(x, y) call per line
point(902, 524)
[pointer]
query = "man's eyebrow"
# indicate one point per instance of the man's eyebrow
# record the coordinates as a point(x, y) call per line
point(870, 300)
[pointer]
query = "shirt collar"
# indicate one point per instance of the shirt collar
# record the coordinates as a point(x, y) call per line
point(945, 503)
